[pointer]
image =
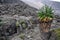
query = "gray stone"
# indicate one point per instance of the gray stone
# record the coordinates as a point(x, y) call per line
point(21, 9)
point(8, 28)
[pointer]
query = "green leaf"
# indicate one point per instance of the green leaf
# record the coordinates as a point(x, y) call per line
point(45, 11)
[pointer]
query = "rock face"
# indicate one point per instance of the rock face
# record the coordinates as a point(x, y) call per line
point(7, 29)
point(20, 9)
point(9, 1)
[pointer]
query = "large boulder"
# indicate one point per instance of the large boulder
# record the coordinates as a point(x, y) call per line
point(8, 28)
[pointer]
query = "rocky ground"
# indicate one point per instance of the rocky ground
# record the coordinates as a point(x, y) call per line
point(13, 15)
point(10, 13)
point(20, 9)
point(32, 32)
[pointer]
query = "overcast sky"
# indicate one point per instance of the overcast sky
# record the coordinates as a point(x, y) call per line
point(56, 0)
point(34, 3)
point(38, 3)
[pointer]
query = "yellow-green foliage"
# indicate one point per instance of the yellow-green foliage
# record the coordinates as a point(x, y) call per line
point(24, 24)
point(17, 24)
point(57, 31)
point(1, 22)
point(21, 22)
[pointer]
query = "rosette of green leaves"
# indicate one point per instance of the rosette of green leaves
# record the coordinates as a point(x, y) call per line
point(45, 11)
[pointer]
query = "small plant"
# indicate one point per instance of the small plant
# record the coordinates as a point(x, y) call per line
point(23, 24)
point(17, 24)
point(1, 22)
point(45, 13)
point(57, 31)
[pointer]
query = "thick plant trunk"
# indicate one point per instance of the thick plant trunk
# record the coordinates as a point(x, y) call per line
point(44, 30)
point(45, 26)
